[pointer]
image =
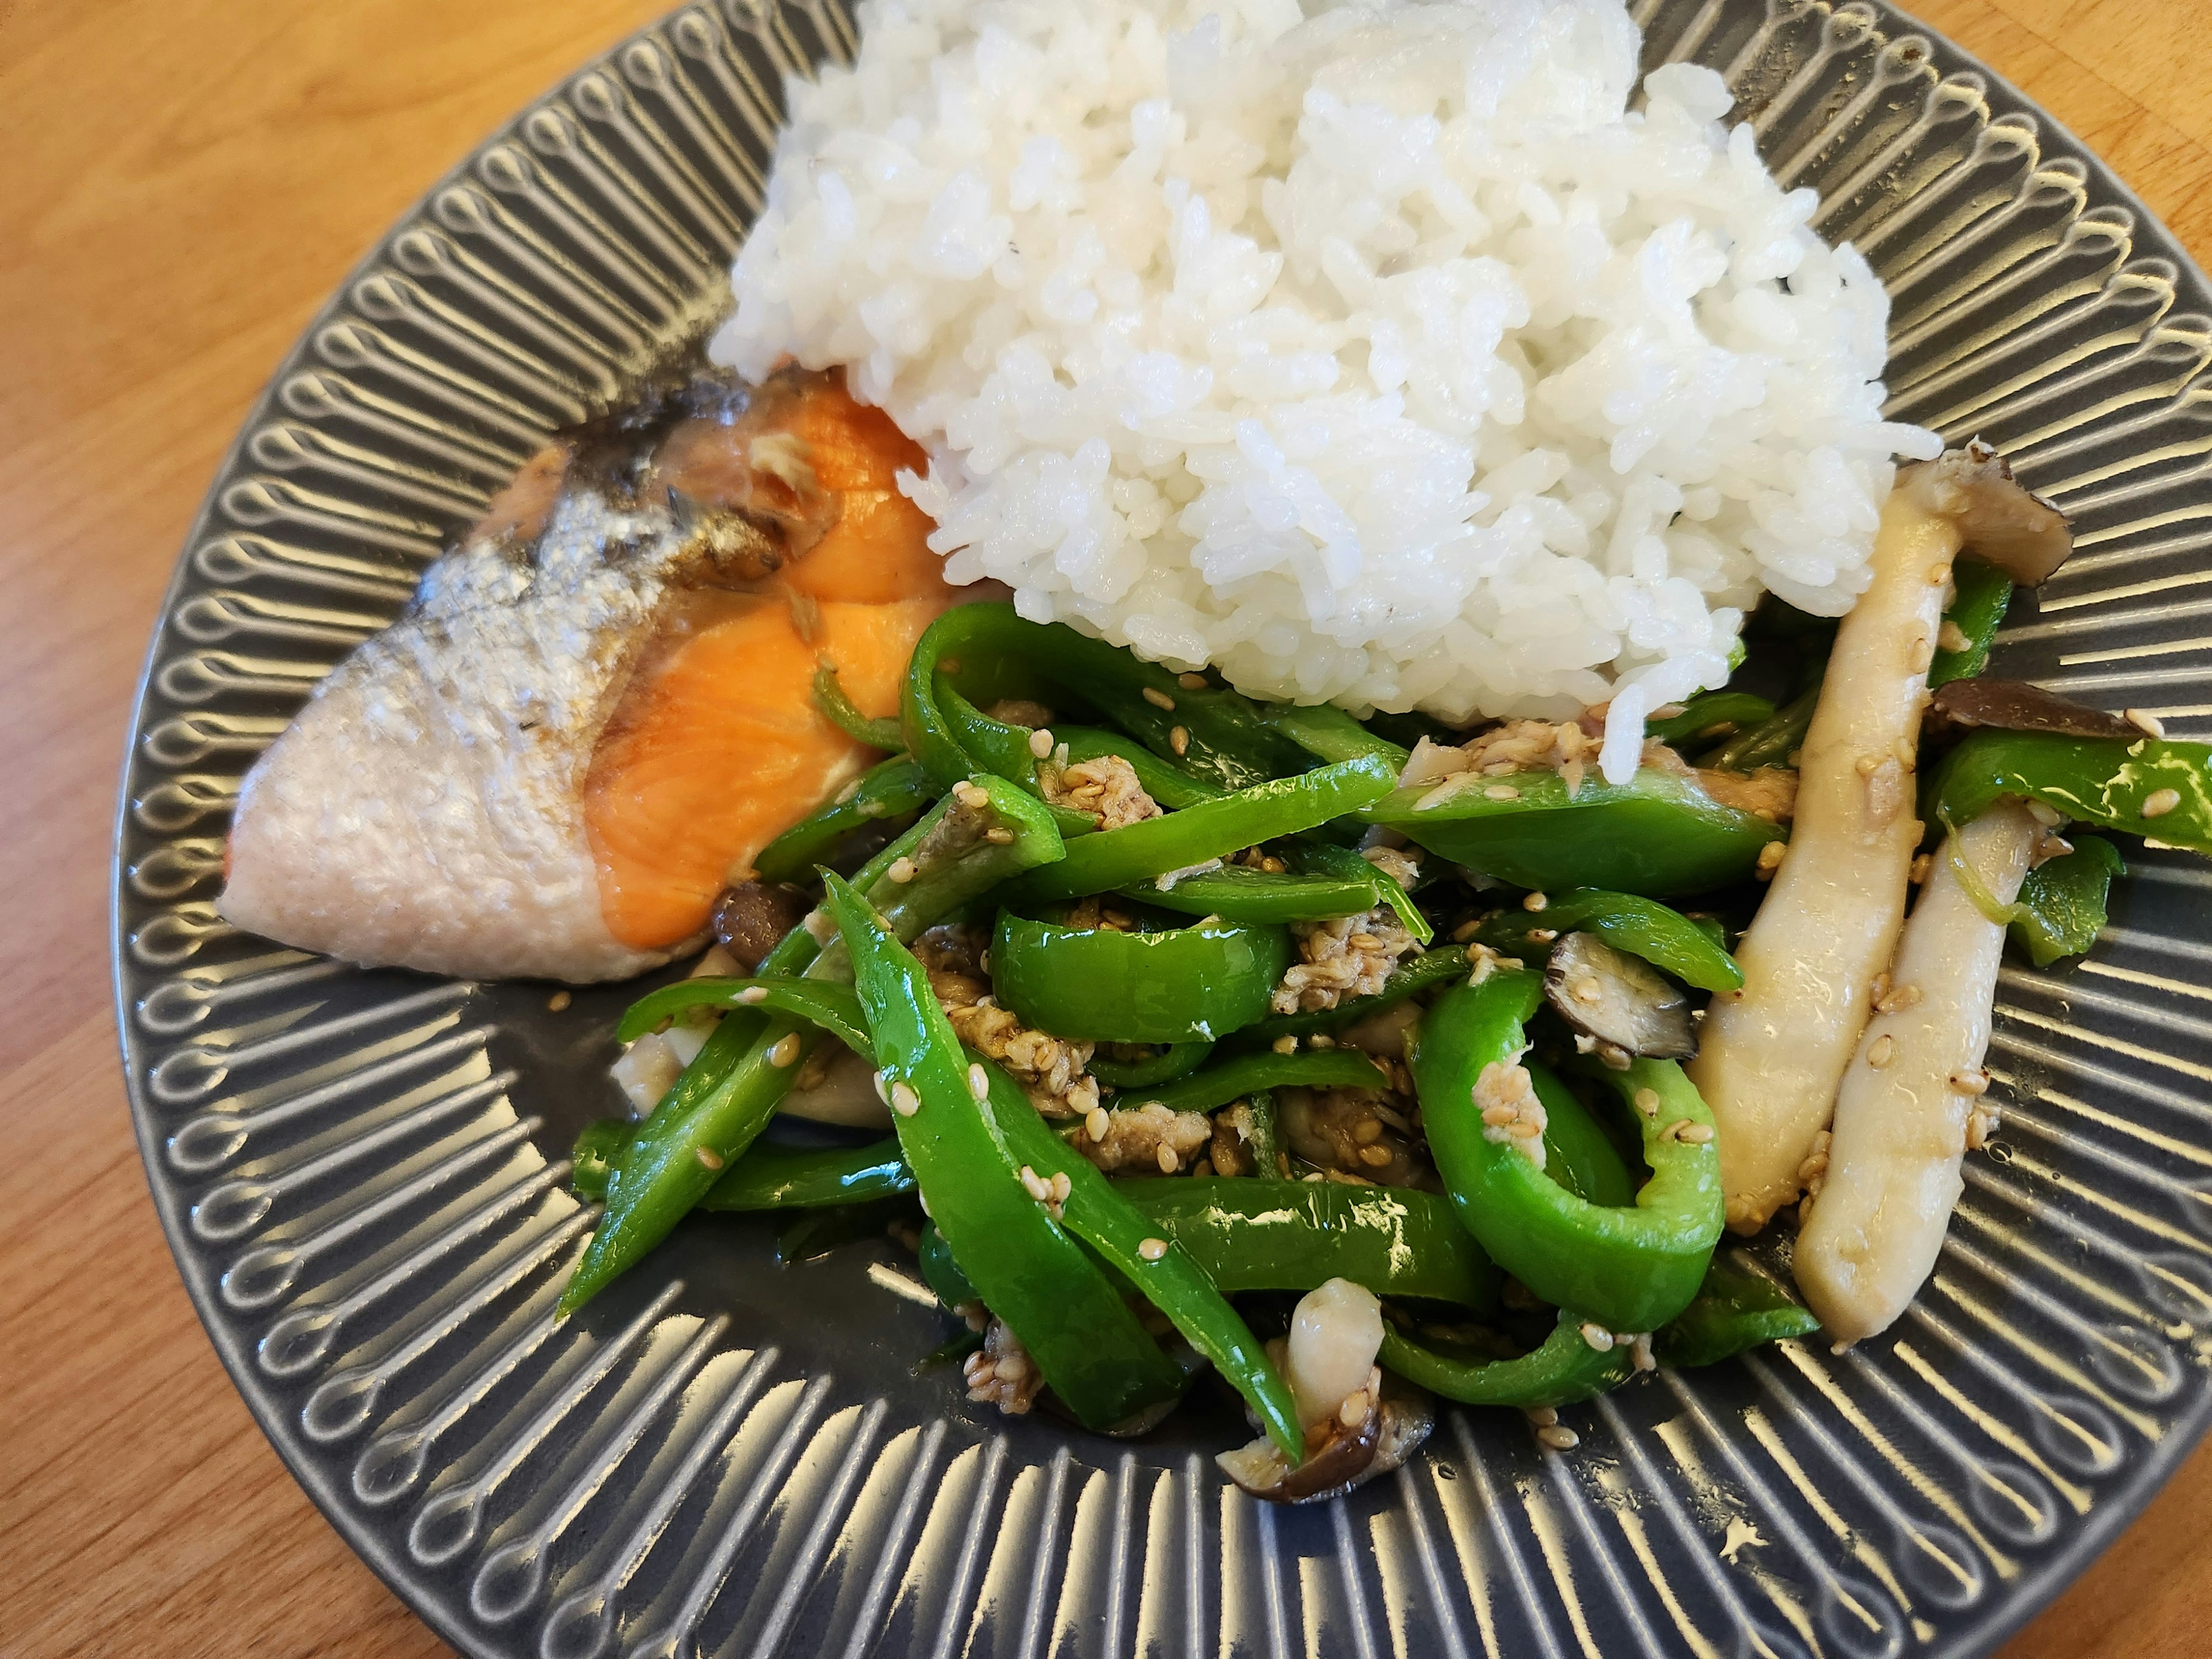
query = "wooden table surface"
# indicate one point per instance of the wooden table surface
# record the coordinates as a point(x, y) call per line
point(182, 183)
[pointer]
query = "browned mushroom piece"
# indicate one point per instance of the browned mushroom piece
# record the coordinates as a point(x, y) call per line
point(1392, 1431)
point(752, 916)
point(2001, 521)
point(1622, 1004)
point(1968, 705)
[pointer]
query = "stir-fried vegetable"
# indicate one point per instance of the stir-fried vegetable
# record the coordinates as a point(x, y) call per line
point(1666, 938)
point(890, 793)
point(2061, 908)
point(1630, 1269)
point(1099, 983)
point(2155, 786)
point(1970, 626)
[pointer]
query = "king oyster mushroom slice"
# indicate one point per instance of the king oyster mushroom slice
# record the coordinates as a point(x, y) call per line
point(1622, 1003)
point(1774, 1052)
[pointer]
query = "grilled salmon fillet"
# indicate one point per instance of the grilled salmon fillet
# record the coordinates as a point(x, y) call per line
point(597, 708)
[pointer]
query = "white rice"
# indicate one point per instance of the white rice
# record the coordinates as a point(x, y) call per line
point(1381, 357)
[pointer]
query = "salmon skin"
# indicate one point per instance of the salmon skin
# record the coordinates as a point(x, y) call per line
point(597, 708)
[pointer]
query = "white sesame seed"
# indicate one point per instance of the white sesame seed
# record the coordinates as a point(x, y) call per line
point(1501, 792)
point(1041, 742)
point(1000, 835)
point(1061, 1187)
point(970, 795)
point(2159, 802)
point(820, 928)
point(978, 1082)
point(1191, 682)
point(1157, 698)
point(1036, 1185)
point(1598, 1337)
point(1354, 1412)
point(1179, 740)
point(1543, 1416)
point(1559, 1437)
point(883, 1087)
point(2046, 816)
point(1951, 637)
point(1695, 1133)
point(1153, 1249)
point(1647, 1102)
point(1973, 1082)
point(902, 871)
point(1168, 1161)
point(1096, 1122)
point(1534, 902)
point(709, 1157)
point(558, 1002)
point(2144, 721)
point(753, 993)
point(1285, 1045)
point(1771, 855)
point(904, 1101)
point(785, 1052)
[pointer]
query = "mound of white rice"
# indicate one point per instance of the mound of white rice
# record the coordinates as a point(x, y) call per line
point(1382, 356)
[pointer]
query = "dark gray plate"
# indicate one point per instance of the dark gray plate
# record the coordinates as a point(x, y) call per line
point(359, 1172)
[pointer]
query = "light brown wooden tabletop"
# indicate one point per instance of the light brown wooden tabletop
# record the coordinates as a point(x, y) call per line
point(182, 183)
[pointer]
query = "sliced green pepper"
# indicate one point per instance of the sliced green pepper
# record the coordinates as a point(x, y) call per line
point(726, 1095)
point(1024, 1263)
point(1174, 1060)
point(1578, 1153)
point(1222, 742)
point(1238, 893)
point(892, 790)
point(1564, 1369)
point(766, 1178)
point(1409, 979)
point(1735, 1309)
point(1233, 1079)
point(2102, 780)
point(1630, 1269)
point(837, 709)
point(1100, 985)
point(597, 1145)
point(1658, 835)
point(1711, 714)
point(1171, 1280)
point(1328, 733)
point(1773, 741)
point(1666, 938)
point(2061, 908)
point(1261, 1234)
point(1265, 1148)
point(1978, 611)
point(1317, 857)
point(823, 1004)
point(1116, 858)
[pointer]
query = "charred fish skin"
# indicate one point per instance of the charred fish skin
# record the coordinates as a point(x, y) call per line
point(427, 807)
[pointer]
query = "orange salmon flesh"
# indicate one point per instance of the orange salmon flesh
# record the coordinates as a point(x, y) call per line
point(716, 747)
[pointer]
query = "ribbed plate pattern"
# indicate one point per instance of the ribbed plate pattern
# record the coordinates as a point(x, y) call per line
point(360, 1174)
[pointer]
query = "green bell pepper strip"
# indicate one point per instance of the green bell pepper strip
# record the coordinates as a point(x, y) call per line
point(941, 1273)
point(1773, 741)
point(1576, 1152)
point(1982, 593)
point(1409, 979)
point(1266, 1145)
point(1024, 1264)
point(1174, 1060)
point(1115, 858)
point(1713, 714)
point(2061, 908)
point(726, 1095)
point(1265, 1233)
point(1176, 1283)
point(2100, 780)
point(829, 1006)
point(1233, 1079)
point(1328, 733)
point(1735, 1309)
point(766, 1178)
point(1224, 744)
point(1657, 835)
point(998, 747)
point(1666, 938)
point(837, 709)
point(888, 791)
point(1631, 1268)
point(1098, 985)
point(1317, 857)
point(599, 1144)
point(1238, 893)
point(1564, 1370)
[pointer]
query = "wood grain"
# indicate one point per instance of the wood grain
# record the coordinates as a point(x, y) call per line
point(183, 184)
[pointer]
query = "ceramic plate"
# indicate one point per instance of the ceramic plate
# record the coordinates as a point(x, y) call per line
point(361, 1173)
